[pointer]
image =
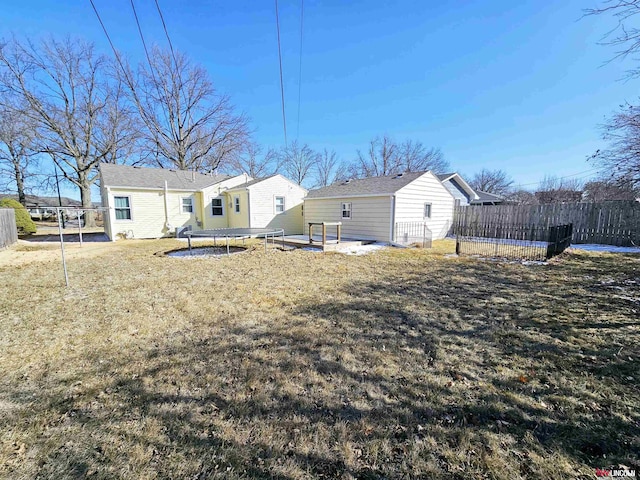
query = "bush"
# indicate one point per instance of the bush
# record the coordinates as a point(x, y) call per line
point(25, 225)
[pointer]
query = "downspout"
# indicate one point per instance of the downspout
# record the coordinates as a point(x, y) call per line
point(248, 208)
point(166, 207)
point(393, 219)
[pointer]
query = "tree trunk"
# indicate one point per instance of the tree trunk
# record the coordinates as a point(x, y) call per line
point(20, 184)
point(85, 198)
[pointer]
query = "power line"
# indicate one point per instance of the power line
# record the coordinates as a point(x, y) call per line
point(300, 65)
point(585, 173)
point(144, 44)
point(166, 32)
point(104, 29)
point(284, 119)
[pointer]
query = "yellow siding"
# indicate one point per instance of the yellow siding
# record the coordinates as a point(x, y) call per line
point(410, 201)
point(211, 221)
point(238, 220)
point(262, 197)
point(370, 216)
point(148, 218)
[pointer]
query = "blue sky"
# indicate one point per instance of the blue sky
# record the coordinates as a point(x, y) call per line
point(518, 86)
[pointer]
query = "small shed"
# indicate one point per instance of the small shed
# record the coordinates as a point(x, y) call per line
point(382, 208)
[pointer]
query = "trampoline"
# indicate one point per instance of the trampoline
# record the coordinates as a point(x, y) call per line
point(236, 233)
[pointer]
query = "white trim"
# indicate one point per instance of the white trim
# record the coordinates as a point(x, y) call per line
point(275, 204)
point(155, 189)
point(424, 210)
point(342, 210)
point(115, 209)
point(352, 196)
point(182, 205)
point(222, 205)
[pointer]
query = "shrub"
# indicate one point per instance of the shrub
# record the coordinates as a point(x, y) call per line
point(25, 225)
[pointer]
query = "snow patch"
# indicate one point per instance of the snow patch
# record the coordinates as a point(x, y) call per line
point(363, 249)
point(592, 247)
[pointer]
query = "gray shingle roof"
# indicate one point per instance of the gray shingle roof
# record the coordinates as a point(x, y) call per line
point(38, 201)
point(141, 177)
point(253, 182)
point(443, 176)
point(485, 197)
point(366, 186)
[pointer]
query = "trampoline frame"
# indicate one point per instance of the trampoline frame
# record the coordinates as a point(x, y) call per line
point(237, 233)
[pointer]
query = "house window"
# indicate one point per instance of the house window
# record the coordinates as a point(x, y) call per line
point(279, 204)
point(236, 204)
point(217, 207)
point(346, 210)
point(123, 208)
point(187, 205)
point(427, 210)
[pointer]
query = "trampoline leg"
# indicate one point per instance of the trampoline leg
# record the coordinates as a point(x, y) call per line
point(227, 246)
point(266, 239)
point(189, 242)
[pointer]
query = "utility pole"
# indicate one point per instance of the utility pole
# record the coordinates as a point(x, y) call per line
point(60, 212)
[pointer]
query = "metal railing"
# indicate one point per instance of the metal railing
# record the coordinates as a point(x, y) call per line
point(413, 233)
point(519, 242)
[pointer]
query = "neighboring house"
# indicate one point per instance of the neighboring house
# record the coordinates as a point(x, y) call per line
point(485, 198)
point(42, 208)
point(154, 202)
point(370, 208)
point(461, 191)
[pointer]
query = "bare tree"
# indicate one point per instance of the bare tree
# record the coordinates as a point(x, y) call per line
point(607, 189)
point(492, 181)
point(415, 157)
point(76, 106)
point(625, 37)
point(559, 190)
point(381, 158)
point(621, 159)
point(297, 161)
point(522, 197)
point(326, 168)
point(17, 156)
point(189, 124)
point(253, 161)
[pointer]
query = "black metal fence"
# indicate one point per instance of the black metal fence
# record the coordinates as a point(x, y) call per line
point(413, 233)
point(518, 242)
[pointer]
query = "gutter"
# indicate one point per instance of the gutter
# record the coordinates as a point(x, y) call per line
point(166, 207)
point(393, 218)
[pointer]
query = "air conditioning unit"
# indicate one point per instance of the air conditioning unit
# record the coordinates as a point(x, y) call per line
point(180, 231)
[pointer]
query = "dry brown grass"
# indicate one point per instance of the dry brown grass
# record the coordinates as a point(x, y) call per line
point(292, 365)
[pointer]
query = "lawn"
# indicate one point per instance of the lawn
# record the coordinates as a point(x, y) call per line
point(295, 365)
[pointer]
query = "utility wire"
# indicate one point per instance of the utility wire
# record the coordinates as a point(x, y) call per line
point(300, 65)
point(104, 29)
point(284, 119)
point(585, 173)
point(166, 32)
point(144, 44)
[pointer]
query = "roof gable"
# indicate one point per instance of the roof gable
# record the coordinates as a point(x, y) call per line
point(143, 177)
point(370, 186)
point(457, 180)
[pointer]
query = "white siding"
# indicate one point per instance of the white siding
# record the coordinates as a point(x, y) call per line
point(410, 201)
point(370, 216)
point(262, 197)
point(457, 191)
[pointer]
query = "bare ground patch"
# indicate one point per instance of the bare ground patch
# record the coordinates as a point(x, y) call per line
point(400, 364)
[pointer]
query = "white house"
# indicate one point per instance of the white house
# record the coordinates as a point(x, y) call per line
point(375, 208)
point(459, 188)
point(154, 202)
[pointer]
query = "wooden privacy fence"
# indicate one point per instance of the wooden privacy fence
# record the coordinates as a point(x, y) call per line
point(609, 223)
point(8, 229)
